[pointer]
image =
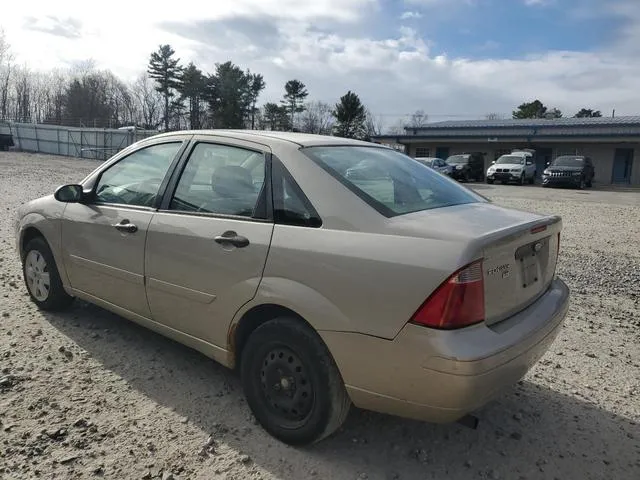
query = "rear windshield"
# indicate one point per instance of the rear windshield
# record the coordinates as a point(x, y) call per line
point(568, 162)
point(458, 159)
point(389, 181)
point(510, 160)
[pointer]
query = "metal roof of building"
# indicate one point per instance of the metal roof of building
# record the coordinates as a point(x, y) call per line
point(537, 129)
point(533, 122)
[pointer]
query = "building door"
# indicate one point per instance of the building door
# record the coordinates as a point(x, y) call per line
point(543, 156)
point(622, 163)
point(442, 152)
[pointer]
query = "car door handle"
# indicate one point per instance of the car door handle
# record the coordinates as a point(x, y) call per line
point(125, 226)
point(232, 238)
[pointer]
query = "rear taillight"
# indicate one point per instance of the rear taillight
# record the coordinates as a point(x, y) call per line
point(457, 303)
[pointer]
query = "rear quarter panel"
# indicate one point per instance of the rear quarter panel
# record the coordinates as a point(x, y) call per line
point(353, 281)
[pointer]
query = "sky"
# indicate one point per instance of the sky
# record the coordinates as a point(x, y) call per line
point(450, 58)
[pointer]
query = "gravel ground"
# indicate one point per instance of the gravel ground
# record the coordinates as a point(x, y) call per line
point(87, 394)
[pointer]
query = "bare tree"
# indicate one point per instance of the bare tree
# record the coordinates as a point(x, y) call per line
point(418, 119)
point(316, 118)
point(22, 89)
point(493, 116)
point(373, 125)
point(6, 64)
point(148, 102)
point(397, 128)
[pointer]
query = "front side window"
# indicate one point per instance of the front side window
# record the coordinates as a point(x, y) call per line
point(389, 181)
point(136, 179)
point(221, 179)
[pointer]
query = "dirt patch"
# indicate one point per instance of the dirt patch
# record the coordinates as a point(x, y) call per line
point(87, 394)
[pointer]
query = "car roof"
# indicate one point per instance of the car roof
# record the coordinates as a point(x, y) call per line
point(268, 136)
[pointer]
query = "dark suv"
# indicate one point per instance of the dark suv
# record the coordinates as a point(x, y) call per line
point(569, 170)
point(467, 166)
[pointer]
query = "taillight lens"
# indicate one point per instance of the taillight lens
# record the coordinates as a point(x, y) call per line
point(457, 303)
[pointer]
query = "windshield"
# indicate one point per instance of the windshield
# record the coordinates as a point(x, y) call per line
point(457, 160)
point(567, 162)
point(510, 160)
point(389, 181)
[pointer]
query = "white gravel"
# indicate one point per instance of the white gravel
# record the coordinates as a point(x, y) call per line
point(87, 394)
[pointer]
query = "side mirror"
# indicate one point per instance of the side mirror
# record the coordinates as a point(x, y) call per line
point(69, 193)
point(493, 162)
point(529, 163)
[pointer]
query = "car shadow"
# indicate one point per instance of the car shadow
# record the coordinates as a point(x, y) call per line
point(530, 432)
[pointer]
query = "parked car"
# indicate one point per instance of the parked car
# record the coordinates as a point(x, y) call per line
point(569, 170)
point(438, 164)
point(467, 166)
point(516, 167)
point(322, 289)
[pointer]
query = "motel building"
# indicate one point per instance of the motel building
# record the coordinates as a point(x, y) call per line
point(612, 143)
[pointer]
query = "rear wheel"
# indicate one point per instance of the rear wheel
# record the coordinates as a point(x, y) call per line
point(291, 382)
point(522, 179)
point(42, 278)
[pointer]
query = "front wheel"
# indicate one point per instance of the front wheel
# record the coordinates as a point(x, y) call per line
point(292, 383)
point(42, 278)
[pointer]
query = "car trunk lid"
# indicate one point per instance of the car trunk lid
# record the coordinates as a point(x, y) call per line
point(518, 249)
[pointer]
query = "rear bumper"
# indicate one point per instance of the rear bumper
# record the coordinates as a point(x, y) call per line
point(440, 376)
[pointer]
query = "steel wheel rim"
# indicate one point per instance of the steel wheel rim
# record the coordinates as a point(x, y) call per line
point(286, 386)
point(37, 275)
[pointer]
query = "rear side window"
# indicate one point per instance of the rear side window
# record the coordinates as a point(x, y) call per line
point(290, 204)
point(389, 181)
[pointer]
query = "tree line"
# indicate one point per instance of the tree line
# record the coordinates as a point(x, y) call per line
point(172, 96)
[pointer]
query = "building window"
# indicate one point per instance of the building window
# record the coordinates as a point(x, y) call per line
point(422, 152)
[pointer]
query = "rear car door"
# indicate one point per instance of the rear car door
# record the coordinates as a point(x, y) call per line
point(208, 243)
point(104, 238)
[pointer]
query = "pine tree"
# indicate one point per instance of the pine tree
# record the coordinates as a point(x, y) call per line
point(295, 93)
point(350, 117)
point(166, 71)
point(192, 88)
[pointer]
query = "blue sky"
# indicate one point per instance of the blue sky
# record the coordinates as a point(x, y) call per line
point(508, 28)
point(451, 58)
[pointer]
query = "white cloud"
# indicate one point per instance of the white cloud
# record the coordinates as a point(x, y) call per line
point(409, 15)
point(314, 41)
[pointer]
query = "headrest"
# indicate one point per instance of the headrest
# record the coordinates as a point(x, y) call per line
point(232, 181)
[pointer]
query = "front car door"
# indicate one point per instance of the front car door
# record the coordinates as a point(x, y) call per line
point(208, 244)
point(104, 237)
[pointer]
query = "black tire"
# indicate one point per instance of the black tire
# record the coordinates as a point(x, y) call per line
point(56, 298)
point(285, 350)
point(522, 177)
point(590, 183)
point(490, 182)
